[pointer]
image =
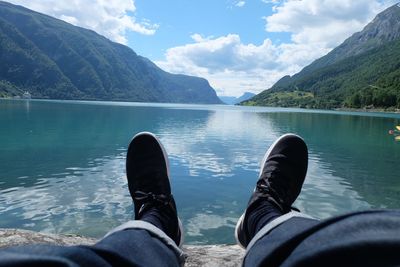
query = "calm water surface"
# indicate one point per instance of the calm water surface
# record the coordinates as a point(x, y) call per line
point(62, 163)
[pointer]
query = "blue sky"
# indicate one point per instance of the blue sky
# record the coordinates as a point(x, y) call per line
point(237, 45)
point(180, 19)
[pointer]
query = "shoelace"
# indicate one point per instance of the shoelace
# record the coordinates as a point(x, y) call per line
point(272, 177)
point(151, 197)
point(271, 182)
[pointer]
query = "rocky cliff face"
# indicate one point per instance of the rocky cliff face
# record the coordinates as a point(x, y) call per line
point(383, 29)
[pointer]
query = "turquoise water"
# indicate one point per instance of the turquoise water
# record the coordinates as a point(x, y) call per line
point(62, 163)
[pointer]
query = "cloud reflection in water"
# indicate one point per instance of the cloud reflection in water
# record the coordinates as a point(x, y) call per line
point(214, 154)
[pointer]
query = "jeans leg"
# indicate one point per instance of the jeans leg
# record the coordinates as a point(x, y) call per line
point(275, 240)
point(132, 244)
point(135, 247)
point(365, 238)
point(50, 255)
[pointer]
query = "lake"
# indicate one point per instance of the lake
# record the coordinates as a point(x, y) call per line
point(62, 163)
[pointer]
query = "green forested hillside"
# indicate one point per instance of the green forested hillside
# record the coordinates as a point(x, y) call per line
point(53, 59)
point(362, 72)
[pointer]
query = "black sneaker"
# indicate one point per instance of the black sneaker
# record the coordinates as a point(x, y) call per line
point(281, 177)
point(147, 170)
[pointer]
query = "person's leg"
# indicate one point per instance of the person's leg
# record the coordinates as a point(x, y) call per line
point(161, 234)
point(147, 170)
point(140, 246)
point(366, 238)
point(153, 239)
point(281, 177)
point(276, 235)
point(275, 241)
point(131, 247)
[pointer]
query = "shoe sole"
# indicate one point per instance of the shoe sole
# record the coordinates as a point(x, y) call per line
point(266, 155)
point(165, 154)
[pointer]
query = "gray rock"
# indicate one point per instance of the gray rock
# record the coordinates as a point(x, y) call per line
point(215, 255)
point(16, 237)
point(212, 255)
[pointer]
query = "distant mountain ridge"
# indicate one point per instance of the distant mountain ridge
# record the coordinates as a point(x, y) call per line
point(361, 72)
point(232, 100)
point(53, 59)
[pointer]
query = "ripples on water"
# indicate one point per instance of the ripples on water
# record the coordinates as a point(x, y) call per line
point(63, 163)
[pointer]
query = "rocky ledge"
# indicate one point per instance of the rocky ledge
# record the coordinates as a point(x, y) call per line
point(212, 255)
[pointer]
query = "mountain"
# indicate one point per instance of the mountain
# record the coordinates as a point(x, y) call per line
point(53, 59)
point(229, 100)
point(244, 97)
point(232, 100)
point(364, 71)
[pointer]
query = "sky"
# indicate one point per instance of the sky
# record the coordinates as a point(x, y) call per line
point(237, 45)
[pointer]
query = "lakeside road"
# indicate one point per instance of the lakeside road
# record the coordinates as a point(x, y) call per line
point(210, 255)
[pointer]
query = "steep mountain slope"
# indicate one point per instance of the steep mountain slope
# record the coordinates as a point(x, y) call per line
point(362, 71)
point(53, 59)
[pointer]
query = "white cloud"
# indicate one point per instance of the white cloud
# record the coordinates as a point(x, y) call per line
point(225, 61)
point(270, 1)
point(236, 3)
point(240, 3)
point(325, 22)
point(109, 18)
point(233, 67)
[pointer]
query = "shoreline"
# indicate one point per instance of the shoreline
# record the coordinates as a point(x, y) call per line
point(366, 110)
point(369, 110)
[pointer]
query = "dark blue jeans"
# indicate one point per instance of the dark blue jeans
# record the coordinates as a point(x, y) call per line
point(133, 247)
point(135, 243)
point(370, 238)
